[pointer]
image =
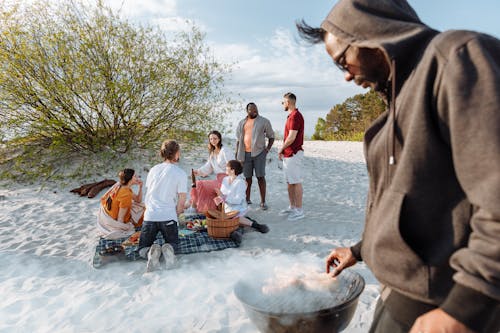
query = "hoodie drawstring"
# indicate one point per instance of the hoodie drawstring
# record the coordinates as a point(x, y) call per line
point(392, 111)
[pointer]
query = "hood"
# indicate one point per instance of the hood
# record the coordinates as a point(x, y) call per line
point(391, 25)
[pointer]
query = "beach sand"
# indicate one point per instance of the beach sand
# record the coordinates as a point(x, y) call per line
point(48, 238)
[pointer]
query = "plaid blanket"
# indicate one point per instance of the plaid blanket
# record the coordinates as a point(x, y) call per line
point(108, 250)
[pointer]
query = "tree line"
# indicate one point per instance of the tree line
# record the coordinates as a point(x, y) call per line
point(349, 120)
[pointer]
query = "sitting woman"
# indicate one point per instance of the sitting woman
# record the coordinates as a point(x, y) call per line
point(121, 210)
point(203, 191)
point(233, 193)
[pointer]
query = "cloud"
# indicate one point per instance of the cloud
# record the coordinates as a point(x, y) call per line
point(263, 70)
point(280, 64)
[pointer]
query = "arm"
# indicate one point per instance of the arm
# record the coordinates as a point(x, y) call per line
point(238, 138)
point(138, 197)
point(181, 201)
point(206, 169)
point(269, 144)
point(270, 136)
point(121, 214)
point(292, 134)
point(468, 104)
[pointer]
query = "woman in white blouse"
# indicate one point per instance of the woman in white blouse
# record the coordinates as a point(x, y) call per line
point(203, 191)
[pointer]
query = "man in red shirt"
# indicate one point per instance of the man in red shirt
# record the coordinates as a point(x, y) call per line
point(292, 154)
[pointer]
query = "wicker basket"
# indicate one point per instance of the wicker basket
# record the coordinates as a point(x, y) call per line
point(222, 225)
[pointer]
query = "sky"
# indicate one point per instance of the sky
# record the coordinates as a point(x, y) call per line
point(259, 38)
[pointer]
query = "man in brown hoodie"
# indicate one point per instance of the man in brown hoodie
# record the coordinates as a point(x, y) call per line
point(432, 228)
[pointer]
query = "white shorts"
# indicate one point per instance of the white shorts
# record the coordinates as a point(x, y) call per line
point(292, 167)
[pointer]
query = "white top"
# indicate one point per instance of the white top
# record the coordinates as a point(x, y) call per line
point(235, 194)
point(217, 162)
point(163, 183)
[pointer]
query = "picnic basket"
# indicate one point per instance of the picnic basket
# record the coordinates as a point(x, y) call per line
point(221, 224)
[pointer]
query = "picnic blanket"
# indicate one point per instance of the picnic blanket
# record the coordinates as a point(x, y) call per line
point(110, 250)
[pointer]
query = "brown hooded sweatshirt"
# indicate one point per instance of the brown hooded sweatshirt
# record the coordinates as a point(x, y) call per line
point(432, 229)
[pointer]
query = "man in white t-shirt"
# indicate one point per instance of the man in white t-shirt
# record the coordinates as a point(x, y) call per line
point(166, 188)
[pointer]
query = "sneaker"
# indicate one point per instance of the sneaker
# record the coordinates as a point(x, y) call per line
point(263, 206)
point(262, 228)
point(168, 255)
point(236, 237)
point(153, 258)
point(257, 226)
point(296, 215)
point(286, 211)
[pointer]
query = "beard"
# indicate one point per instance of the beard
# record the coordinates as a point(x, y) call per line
point(374, 71)
point(375, 79)
point(252, 116)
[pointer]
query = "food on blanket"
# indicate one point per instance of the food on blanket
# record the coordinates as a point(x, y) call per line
point(133, 239)
point(112, 250)
point(196, 224)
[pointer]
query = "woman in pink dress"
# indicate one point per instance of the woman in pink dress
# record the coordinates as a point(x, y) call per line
point(203, 191)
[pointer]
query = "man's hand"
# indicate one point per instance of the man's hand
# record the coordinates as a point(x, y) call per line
point(340, 258)
point(438, 321)
point(280, 155)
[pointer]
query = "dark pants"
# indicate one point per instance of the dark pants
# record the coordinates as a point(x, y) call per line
point(384, 323)
point(168, 230)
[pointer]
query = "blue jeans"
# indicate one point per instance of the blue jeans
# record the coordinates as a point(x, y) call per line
point(168, 230)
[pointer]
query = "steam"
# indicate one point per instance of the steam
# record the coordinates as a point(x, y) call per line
point(298, 289)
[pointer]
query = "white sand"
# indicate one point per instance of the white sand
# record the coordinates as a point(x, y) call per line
point(48, 237)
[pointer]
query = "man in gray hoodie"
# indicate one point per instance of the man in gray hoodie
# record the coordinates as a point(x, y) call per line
point(432, 228)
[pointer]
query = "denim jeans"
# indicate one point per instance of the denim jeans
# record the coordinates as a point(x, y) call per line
point(168, 230)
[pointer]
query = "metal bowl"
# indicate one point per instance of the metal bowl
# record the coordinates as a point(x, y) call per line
point(331, 319)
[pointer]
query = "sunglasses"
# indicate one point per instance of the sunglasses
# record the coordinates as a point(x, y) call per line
point(341, 62)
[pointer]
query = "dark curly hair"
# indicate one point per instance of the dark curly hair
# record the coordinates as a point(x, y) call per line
point(310, 34)
point(126, 175)
point(236, 166)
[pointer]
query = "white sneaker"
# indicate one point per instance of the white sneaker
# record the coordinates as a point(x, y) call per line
point(286, 211)
point(153, 258)
point(168, 255)
point(296, 215)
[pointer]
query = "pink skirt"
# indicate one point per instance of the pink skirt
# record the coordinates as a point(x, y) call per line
point(203, 194)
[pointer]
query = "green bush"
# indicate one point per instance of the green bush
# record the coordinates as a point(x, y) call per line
point(348, 121)
point(79, 78)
